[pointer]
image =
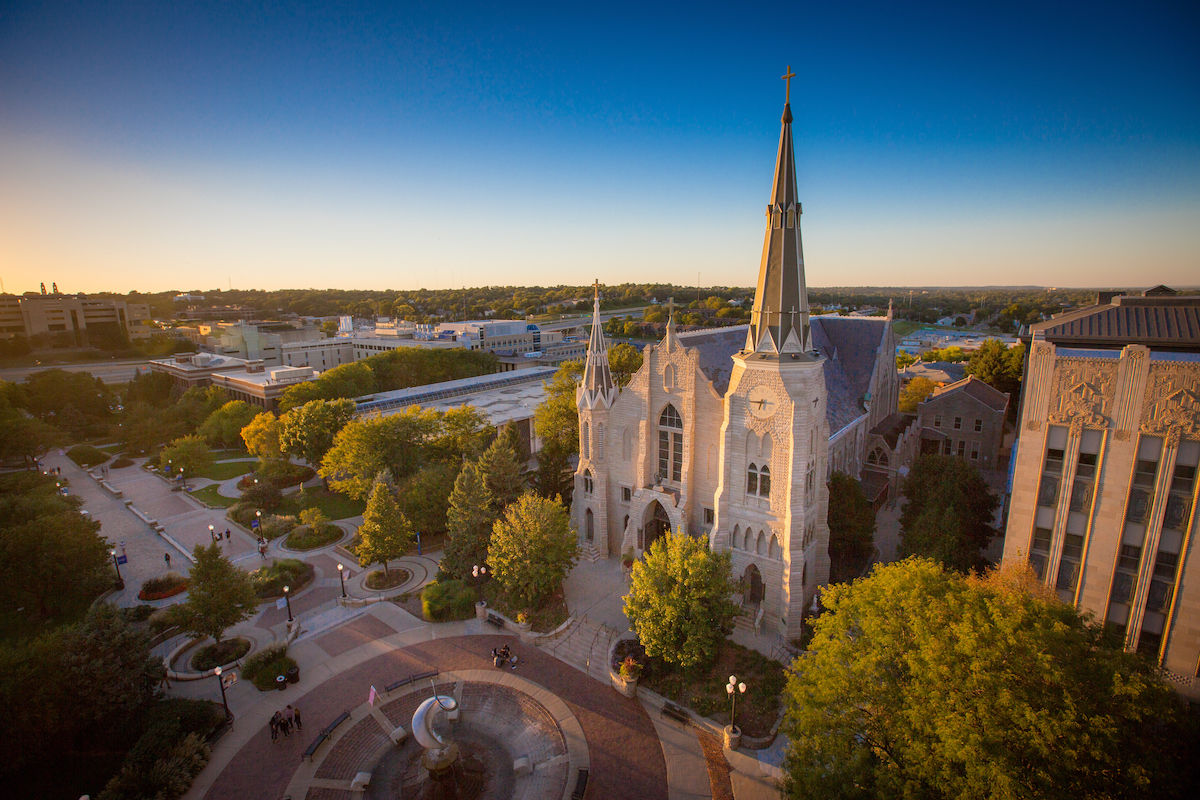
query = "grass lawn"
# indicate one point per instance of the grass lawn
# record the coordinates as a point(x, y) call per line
point(306, 538)
point(232, 452)
point(904, 327)
point(552, 613)
point(209, 496)
point(224, 470)
point(335, 506)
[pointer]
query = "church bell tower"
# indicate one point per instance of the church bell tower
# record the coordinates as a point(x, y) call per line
point(594, 398)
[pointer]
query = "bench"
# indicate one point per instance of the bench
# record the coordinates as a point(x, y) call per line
point(421, 676)
point(391, 687)
point(317, 742)
point(676, 713)
point(328, 729)
point(495, 619)
point(580, 785)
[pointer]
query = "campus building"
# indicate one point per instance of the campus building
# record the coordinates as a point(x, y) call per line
point(1104, 484)
point(732, 433)
point(71, 316)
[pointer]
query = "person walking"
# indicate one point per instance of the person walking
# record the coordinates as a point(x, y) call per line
point(286, 725)
point(167, 558)
point(274, 723)
point(296, 719)
point(228, 535)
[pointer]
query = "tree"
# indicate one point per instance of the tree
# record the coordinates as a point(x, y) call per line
point(365, 447)
point(385, 532)
point(923, 683)
point(189, 452)
point(219, 597)
point(947, 513)
point(623, 361)
point(469, 521)
point(851, 527)
point(425, 497)
point(998, 366)
point(223, 428)
point(904, 359)
point(532, 549)
point(348, 380)
point(261, 437)
point(502, 472)
point(465, 433)
point(309, 430)
point(678, 601)
point(23, 436)
point(914, 392)
point(556, 422)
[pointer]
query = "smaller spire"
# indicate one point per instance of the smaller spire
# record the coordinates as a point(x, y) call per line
point(597, 385)
point(670, 316)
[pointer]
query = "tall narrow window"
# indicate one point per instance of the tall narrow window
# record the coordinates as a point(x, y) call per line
point(752, 480)
point(670, 445)
point(600, 441)
point(764, 481)
point(588, 483)
point(583, 440)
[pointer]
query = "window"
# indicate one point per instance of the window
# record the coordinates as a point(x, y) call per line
point(709, 516)
point(764, 481)
point(978, 425)
point(600, 441)
point(752, 480)
point(626, 494)
point(937, 420)
point(958, 423)
point(583, 440)
point(670, 445)
point(974, 451)
point(962, 448)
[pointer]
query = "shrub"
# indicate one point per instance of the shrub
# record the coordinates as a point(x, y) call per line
point(313, 517)
point(270, 580)
point(167, 585)
point(87, 456)
point(307, 538)
point(139, 613)
point(277, 474)
point(262, 668)
point(169, 753)
point(219, 653)
point(630, 668)
point(163, 618)
point(442, 601)
point(275, 526)
point(387, 580)
point(121, 463)
point(263, 495)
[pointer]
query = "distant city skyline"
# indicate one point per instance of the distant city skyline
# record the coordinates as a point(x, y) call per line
point(183, 146)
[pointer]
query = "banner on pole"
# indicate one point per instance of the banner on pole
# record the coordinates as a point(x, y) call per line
point(371, 695)
point(281, 603)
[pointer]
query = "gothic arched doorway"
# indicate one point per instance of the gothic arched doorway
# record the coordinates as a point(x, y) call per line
point(753, 593)
point(658, 524)
point(589, 525)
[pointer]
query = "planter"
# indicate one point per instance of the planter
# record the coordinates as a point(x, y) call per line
point(524, 627)
point(626, 686)
point(733, 737)
point(481, 610)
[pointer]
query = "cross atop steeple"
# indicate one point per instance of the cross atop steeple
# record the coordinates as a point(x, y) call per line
point(597, 287)
point(787, 81)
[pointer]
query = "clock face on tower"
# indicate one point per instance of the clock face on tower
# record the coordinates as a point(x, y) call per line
point(762, 402)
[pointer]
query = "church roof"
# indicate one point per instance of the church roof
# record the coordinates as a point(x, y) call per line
point(983, 392)
point(891, 426)
point(850, 346)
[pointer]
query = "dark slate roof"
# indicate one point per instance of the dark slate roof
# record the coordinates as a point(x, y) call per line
point(849, 345)
point(983, 392)
point(1155, 321)
point(936, 371)
point(891, 426)
point(717, 347)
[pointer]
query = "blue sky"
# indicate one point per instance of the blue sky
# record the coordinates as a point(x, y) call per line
point(187, 145)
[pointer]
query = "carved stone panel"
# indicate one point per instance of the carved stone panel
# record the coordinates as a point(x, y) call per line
point(1172, 402)
point(1082, 393)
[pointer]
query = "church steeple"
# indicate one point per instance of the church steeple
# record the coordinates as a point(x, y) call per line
point(597, 385)
point(779, 319)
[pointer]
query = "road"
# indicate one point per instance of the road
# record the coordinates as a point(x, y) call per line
point(107, 371)
point(583, 320)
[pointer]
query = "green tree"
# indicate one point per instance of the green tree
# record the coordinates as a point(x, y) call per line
point(465, 433)
point(532, 549)
point(502, 471)
point(261, 437)
point(23, 436)
point(348, 380)
point(851, 527)
point(926, 684)
point(469, 521)
point(678, 601)
point(385, 532)
point(219, 597)
point(424, 497)
point(623, 361)
point(308, 431)
point(223, 428)
point(998, 366)
point(914, 392)
point(904, 359)
point(189, 452)
point(556, 422)
point(947, 513)
point(365, 447)
point(150, 388)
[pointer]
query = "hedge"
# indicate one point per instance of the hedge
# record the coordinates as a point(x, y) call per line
point(307, 538)
point(291, 572)
point(167, 585)
point(442, 601)
point(87, 456)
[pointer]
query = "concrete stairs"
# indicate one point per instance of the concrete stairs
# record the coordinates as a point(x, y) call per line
point(585, 647)
point(588, 552)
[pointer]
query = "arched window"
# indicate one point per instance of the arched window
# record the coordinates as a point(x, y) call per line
point(583, 440)
point(588, 483)
point(764, 481)
point(752, 480)
point(773, 547)
point(733, 540)
point(625, 524)
point(878, 456)
point(600, 441)
point(590, 524)
point(670, 445)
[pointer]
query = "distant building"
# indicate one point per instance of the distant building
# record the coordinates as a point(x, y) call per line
point(74, 316)
point(964, 419)
point(1104, 483)
point(252, 381)
point(942, 373)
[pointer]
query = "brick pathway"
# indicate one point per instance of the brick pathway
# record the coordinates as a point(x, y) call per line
point(626, 758)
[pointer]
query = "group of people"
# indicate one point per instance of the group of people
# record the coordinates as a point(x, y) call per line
point(282, 722)
point(262, 548)
point(503, 656)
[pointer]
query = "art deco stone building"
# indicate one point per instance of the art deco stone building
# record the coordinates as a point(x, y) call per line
point(731, 433)
point(1104, 486)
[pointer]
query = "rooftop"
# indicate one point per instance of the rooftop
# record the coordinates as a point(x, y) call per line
point(1155, 319)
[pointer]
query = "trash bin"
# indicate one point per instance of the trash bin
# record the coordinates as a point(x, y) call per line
point(293, 675)
point(280, 682)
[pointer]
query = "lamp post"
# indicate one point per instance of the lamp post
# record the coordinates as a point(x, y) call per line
point(479, 573)
point(342, 578)
point(211, 534)
point(221, 683)
point(182, 480)
point(116, 564)
point(733, 689)
point(287, 598)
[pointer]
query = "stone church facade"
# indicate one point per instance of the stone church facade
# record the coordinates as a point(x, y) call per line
point(732, 433)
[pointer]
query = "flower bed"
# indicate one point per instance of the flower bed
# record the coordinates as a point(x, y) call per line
point(291, 572)
point(387, 580)
point(219, 653)
point(163, 586)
